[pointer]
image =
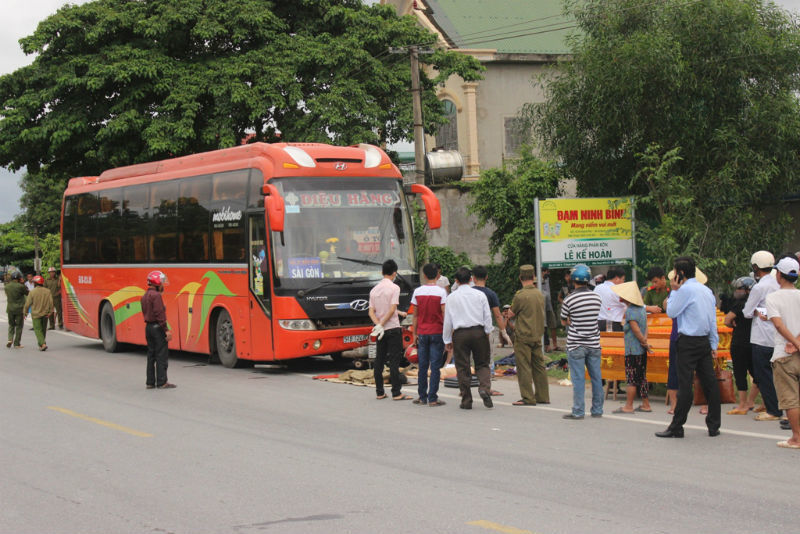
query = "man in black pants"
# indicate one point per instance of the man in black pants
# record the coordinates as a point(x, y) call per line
point(466, 329)
point(156, 332)
point(383, 301)
point(693, 305)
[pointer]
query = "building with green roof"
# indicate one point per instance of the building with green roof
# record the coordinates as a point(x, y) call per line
point(516, 40)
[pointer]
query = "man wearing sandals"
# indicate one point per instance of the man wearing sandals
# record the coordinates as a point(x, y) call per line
point(383, 301)
point(783, 309)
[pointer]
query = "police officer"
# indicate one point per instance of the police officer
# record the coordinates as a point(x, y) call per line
point(156, 331)
point(40, 304)
point(53, 283)
point(15, 304)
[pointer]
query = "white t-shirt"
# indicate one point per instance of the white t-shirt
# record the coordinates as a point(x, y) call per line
point(784, 303)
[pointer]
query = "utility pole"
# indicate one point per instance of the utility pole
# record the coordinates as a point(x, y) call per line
point(419, 133)
point(416, 100)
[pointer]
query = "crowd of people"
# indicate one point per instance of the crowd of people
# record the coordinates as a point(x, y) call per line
point(764, 314)
point(37, 296)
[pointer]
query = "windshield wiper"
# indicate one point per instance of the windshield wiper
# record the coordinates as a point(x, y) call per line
point(361, 261)
point(304, 292)
point(379, 264)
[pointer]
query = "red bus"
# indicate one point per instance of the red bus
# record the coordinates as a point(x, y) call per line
point(270, 249)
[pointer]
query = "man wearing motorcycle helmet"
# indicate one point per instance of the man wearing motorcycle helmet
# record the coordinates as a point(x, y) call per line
point(762, 332)
point(156, 332)
point(741, 350)
point(40, 304)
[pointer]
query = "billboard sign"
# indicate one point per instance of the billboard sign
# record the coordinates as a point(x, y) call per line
point(592, 231)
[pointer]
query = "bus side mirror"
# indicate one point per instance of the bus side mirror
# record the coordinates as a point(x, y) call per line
point(273, 202)
point(432, 207)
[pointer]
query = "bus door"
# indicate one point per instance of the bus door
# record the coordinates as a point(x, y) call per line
point(260, 287)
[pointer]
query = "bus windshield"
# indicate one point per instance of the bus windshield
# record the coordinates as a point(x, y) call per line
point(341, 228)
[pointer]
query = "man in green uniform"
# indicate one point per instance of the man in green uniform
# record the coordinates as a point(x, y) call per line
point(40, 302)
point(528, 308)
point(53, 283)
point(15, 302)
point(657, 291)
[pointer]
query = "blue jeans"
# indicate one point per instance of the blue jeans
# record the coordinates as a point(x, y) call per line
point(579, 359)
point(430, 349)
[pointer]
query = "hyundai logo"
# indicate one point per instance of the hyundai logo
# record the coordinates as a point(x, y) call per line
point(359, 305)
point(340, 166)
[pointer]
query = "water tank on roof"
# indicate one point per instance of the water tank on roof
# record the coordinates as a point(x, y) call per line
point(442, 166)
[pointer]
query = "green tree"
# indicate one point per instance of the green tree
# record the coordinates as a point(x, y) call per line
point(714, 82)
point(504, 198)
point(16, 245)
point(41, 202)
point(117, 82)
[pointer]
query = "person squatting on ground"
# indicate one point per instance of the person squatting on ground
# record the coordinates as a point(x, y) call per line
point(762, 332)
point(741, 350)
point(579, 313)
point(383, 301)
point(40, 304)
point(466, 330)
point(156, 332)
point(636, 347)
point(783, 309)
point(429, 302)
point(15, 308)
point(528, 308)
point(694, 306)
point(53, 284)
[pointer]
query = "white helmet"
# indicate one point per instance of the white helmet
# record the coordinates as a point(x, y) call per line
point(763, 260)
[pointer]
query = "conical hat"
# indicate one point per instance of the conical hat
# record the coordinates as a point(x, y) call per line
point(700, 275)
point(630, 292)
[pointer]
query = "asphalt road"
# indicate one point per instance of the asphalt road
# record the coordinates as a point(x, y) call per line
point(86, 448)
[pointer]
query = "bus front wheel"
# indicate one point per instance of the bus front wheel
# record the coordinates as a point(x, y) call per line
point(108, 329)
point(225, 342)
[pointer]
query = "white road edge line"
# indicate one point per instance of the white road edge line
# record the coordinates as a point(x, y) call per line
point(626, 418)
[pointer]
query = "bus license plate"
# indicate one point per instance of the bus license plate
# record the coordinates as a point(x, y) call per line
point(355, 339)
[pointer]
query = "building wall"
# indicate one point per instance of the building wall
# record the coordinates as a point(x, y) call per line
point(459, 228)
point(506, 87)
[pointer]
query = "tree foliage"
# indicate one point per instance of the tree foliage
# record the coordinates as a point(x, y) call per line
point(692, 105)
point(117, 82)
point(504, 198)
point(41, 202)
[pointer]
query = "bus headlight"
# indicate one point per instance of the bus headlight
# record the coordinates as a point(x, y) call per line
point(297, 324)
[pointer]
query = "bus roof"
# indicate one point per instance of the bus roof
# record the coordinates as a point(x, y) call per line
point(279, 159)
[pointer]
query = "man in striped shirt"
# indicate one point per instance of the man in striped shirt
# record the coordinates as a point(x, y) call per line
point(579, 313)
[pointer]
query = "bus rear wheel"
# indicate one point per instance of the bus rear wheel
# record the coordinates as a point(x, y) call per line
point(225, 341)
point(108, 329)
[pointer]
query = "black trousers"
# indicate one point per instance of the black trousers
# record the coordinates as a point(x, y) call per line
point(472, 341)
point(157, 355)
point(389, 350)
point(694, 354)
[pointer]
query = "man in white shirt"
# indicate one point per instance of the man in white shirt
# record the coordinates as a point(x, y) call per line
point(762, 333)
point(467, 325)
point(783, 309)
point(441, 280)
point(612, 310)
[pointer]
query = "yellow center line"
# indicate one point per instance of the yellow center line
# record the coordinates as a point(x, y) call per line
point(101, 422)
point(488, 525)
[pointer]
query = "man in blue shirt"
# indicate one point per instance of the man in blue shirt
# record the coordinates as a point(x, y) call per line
point(694, 307)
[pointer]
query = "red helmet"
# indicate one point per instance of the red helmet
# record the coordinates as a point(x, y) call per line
point(38, 280)
point(411, 354)
point(157, 278)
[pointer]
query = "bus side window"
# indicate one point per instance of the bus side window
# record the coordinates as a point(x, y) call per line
point(255, 198)
point(85, 246)
point(193, 219)
point(135, 223)
point(109, 225)
point(164, 224)
point(68, 227)
point(229, 192)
